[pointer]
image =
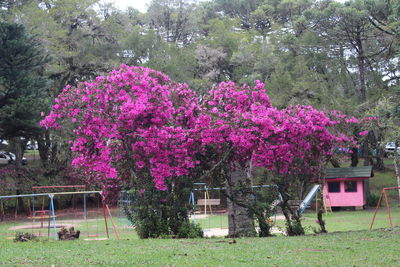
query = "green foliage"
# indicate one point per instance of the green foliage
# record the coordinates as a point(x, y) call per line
point(372, 199)
point(294, 227)
point(22, 84)
point(189, 230)
point(164, 214)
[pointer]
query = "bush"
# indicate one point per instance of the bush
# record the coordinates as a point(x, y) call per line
point(372, 199)
point(162, 214)
point(294, 228)
point(190, 230)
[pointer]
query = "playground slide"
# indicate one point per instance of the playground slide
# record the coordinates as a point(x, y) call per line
point(308, 199)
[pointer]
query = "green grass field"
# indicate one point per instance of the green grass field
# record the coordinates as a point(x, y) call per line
point(359, 248)
point(348, 243)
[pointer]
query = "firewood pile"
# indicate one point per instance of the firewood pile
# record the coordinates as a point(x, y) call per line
point(69, 234)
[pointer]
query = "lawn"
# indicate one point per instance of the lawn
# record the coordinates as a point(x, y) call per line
point(348, 243)
point(355, 247)
point(359, 248)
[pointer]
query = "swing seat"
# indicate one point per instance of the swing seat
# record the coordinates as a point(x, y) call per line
point(94, 235)
point(41, 217)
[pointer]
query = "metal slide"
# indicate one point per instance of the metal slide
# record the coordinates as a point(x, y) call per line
point(308, 199)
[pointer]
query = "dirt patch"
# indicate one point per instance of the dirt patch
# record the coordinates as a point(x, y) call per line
point(96, 239)
point(38, 226)
point(218, 232)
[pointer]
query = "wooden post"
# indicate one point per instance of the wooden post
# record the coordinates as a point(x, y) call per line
point(112, 221)
point(105, 219)
point(376, 210)
point(388, 207)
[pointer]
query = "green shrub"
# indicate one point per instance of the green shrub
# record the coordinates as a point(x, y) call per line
point(190, 230)
point(162, 214)
point(372, 199)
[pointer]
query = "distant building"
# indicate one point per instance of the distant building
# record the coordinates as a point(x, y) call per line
point(345, 187)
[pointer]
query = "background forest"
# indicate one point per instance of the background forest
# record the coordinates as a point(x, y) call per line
point(328, 54)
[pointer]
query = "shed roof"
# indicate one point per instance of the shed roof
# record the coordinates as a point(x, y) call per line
point(351, 172)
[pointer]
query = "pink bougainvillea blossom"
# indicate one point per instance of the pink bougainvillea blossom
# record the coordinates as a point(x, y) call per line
point(136, 122)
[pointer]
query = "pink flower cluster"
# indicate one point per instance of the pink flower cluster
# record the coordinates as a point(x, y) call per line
point(136, 122)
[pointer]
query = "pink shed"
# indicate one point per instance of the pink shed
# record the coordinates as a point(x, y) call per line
point(345, 187)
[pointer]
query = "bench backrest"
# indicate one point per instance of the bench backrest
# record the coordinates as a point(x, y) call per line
point(212, 202)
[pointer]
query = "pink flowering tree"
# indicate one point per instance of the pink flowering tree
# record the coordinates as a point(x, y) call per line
point(133, 126)
point(244, 131)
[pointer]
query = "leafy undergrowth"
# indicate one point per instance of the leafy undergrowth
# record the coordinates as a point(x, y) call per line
point(345, 249)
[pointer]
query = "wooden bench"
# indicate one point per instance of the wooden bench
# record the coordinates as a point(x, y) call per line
point(41, 215)
point(294, 203)
point(209, 202)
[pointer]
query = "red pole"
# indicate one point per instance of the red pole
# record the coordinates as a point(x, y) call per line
point(388, 208)
point(376, 210)
point(105, 219)
point(112, 221)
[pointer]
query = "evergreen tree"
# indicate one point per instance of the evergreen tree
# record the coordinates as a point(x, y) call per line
point(22, 87)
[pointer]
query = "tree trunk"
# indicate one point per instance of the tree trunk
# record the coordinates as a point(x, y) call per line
point(18, 149)
point(379, 164)
point(379, 150)
point(43, 146)
point(396, 166)
point(354, 157)
point(240, 222)
point(361, 69)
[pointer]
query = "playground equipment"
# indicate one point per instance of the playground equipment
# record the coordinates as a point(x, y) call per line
point(211, 203)
point(58, 218)
point(54, 189)
point(384, 194)
point(345, 187)
point(303, 205)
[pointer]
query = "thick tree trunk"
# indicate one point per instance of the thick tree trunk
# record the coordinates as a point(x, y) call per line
point(18, 149)
point(43, 146)
point(379, 164)
point(354, 157)
point(240, 222)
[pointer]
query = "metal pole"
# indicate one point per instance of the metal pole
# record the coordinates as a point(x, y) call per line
point(191, 201)
point(376, 210)
point(33, 206)
point(84, 206)
point(388, 208)
point(53, 215)
point(48, 227)
point(205, 201)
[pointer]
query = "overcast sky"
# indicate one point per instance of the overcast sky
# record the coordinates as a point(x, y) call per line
point(123, 4)
point(141, 5)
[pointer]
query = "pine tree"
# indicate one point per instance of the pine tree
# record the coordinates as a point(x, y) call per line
point(22, 85)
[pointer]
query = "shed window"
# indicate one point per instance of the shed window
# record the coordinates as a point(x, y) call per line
point(334, 187)
point(350, 186)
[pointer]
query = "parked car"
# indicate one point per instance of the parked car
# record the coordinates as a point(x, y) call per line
point(10, 157)
point(390, 147)
point(32, 145)
point(4, 159)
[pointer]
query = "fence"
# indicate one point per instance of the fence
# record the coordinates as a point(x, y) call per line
point(39, 215)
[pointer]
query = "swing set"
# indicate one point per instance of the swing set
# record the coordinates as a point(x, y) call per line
point(47, 214)
point(384, 194)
